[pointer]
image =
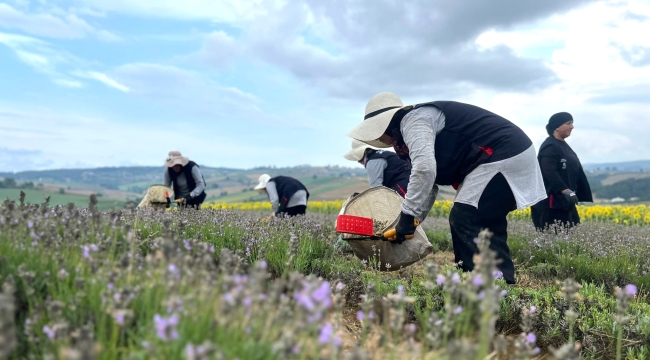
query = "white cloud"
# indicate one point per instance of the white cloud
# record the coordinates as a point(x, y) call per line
point(69, 83)
point(102, 78)
point(47, 24)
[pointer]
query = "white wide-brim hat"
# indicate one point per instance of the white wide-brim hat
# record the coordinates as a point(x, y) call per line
point(264, 179)
point(175, 158)
point(358, 150)
point(379, 112)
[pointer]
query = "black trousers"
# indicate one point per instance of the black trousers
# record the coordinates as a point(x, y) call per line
point(466, 222)
point(544, 217)
point(294, 210)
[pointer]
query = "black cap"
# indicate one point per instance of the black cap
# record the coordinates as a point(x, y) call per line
point(556, 121)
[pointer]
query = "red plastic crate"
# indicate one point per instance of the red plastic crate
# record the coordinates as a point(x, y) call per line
point(357, 225)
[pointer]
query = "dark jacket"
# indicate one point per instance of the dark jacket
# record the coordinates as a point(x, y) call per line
point(187, 170)
point(472, 136)
point(396, 174)
point(286, 187)
point(561, 169)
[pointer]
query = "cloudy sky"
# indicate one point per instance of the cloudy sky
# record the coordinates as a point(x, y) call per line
point(244, 83)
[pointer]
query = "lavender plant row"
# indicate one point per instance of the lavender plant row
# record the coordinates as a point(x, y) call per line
point(82, 284)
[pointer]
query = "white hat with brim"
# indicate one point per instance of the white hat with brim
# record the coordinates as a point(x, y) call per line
point(175, 158)
point(358, 150)
point(379, 112)
point(264, 179)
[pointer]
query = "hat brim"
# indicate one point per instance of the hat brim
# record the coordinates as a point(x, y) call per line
point(182, 161)
point(355, 154)
point(370, 130)
point(260, 186)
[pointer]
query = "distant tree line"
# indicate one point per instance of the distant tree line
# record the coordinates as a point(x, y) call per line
point(626, 189)
point(10, 183)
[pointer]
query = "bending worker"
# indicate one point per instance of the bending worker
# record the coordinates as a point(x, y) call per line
point(564, 178)
point(489, 160)
point(187, 179)
point(383, 167)
point(287, 195)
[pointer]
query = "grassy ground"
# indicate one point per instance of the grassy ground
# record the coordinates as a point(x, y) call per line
point(35, 196)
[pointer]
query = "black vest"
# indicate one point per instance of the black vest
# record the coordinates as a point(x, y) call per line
point(396, 174)
point(286, 187)
point(472, 136)
point(191, 184)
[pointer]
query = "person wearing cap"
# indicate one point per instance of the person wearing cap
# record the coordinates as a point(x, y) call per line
point(187, 179)
point(564, 179)
point(384, 168)
point(486, 158)
point(287, 195)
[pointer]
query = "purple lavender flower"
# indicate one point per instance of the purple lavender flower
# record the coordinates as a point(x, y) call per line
point(410, 328)
point(50, 332)
point(166, 327)
point(497, 274)
point(322, 293)
point(440, 279)
point(325, 333)
point(360, 315)
point(455, 278)
point(86, 251)
point(477, 280)
point(458, 310)
point(400, 289)
point(174, 271)
point(531, 338)
point(30, 224)
point(533, 309)
point(630, 289)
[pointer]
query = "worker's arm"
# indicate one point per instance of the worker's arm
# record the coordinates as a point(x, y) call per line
point(273, 195)
point(198, 179)
point(166, 178)
point(419, 129)
point(375, 169)
point(549, 159)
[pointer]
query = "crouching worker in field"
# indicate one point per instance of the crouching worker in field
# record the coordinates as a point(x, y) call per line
point(486, 158)
point(287, 195)
point(565, 180)
point(187, 179)
point(384, 168)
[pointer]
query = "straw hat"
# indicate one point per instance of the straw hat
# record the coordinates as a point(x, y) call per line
point(358, 150)
point(175, 158)
point(379, 112)
point(264, 179)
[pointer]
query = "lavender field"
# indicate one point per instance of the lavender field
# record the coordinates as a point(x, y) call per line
point(217, 284)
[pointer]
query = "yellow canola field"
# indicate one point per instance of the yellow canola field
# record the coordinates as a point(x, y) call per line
point(618, 214)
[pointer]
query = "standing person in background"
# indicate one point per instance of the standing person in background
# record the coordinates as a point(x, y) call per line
point(287, 195)
point(188, 182)
point(384, 168)
point(564, 179)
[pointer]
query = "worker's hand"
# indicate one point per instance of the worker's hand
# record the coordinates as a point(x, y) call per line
point(405, 229)
point(187, 199)
point(570, 196)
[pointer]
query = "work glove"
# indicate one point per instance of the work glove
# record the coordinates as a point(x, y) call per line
point(187, 199)
point(571, 197)
point(405, 229)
